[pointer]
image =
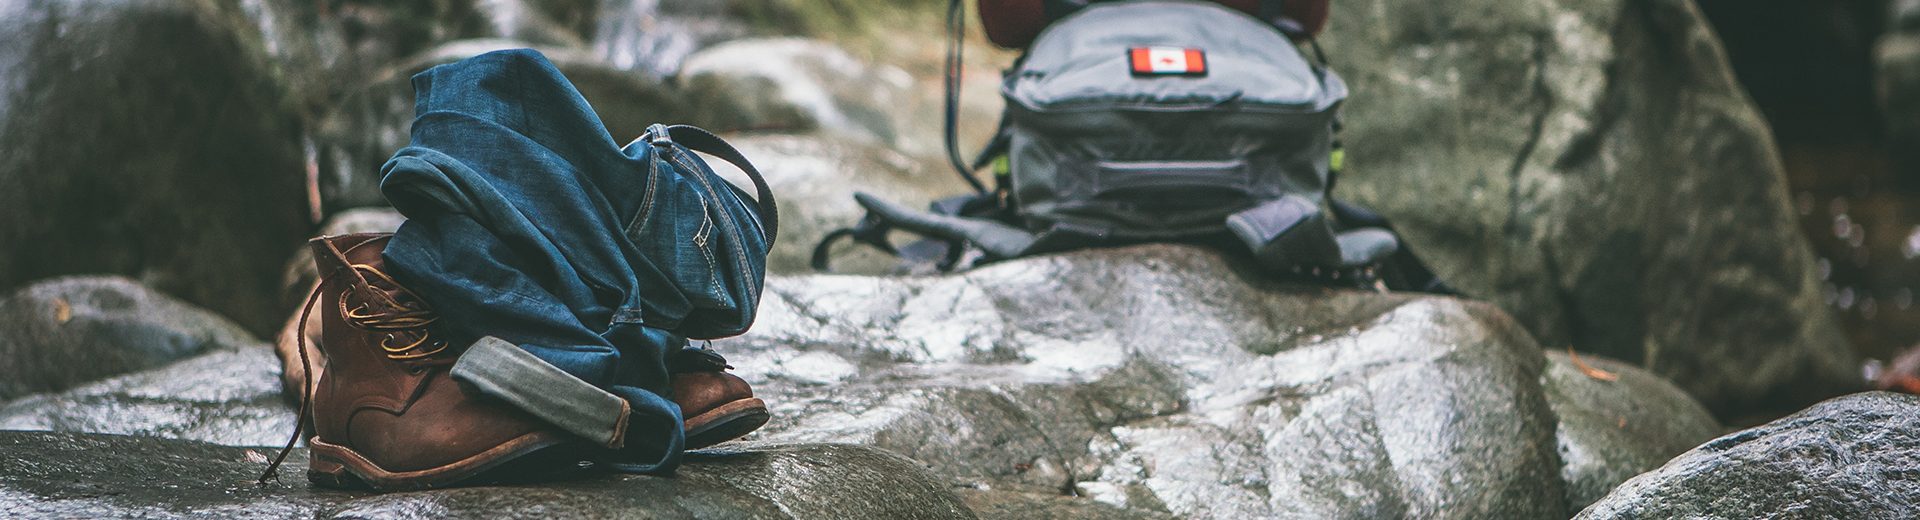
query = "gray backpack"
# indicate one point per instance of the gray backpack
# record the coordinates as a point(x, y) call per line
point(1136, 121)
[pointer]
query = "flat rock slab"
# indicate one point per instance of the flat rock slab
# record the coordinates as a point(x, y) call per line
point(70, 475)
point(230, 397)
point(1850, 457)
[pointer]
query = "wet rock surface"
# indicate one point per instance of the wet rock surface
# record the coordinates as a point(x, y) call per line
point(656, 37)
point(231, 397)
point(1163, 380)
point(1603, 178)
point(63, 332)
point(1850, 457)
point(108, 476)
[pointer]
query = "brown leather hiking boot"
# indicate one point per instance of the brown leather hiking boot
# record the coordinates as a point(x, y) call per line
point(385, 412)
point(718, 406)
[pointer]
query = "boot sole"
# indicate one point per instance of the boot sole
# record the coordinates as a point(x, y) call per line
point(728, 422)
point(338, 466)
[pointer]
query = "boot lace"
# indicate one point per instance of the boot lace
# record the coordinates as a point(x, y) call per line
point(406, 317)
point(398, 318)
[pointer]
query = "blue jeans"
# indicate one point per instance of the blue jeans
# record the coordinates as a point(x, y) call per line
point(523, 217)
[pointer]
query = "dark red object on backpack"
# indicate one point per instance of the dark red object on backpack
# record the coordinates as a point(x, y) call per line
point(1014, 23)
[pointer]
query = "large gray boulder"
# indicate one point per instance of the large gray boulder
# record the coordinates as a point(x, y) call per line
point(149, 139)
point(63, 475)
point(1593, 168)
point(59, 333)
point(1168, 380)
point(1850, 457)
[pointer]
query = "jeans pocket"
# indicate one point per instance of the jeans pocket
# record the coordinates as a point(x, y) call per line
point(679, 236)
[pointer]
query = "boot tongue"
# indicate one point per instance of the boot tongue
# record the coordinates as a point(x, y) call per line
point(692, 359)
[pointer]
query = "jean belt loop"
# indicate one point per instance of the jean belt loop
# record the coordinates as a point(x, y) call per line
point(658, 135)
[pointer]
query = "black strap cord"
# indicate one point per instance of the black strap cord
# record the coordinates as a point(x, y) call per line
point(956, 36)
point(871, 230)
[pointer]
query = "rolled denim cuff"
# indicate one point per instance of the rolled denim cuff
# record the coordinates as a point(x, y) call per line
point(505, 371)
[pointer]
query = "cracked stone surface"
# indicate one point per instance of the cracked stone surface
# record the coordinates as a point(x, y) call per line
point(1849, 457)
point(1593, 168)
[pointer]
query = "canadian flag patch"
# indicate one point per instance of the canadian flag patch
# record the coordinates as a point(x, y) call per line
point(1161, 61)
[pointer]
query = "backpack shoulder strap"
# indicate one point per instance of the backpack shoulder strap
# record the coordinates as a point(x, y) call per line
point(699, 140)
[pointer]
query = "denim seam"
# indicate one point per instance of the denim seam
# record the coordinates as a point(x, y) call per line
point(702, 240)
point(739, 253)
point(645, 215)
